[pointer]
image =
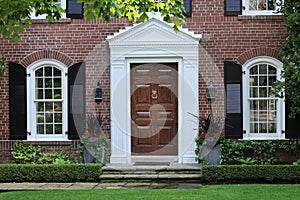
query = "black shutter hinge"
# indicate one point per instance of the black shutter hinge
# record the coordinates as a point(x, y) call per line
point(66, 74)
point(244, 72)
point(28, 74)
point(66, 132)
point(244, 8)
point(282, 131)
point(281, 71)
point(28, 133)
point(244, 131)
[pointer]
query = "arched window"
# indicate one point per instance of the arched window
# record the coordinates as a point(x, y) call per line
point(47, 100)
point(263, 111)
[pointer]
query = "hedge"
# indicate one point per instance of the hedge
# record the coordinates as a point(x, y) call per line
point(250, 174)
point(50, 173)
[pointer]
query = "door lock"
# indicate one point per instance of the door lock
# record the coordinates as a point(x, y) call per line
point(154, 95)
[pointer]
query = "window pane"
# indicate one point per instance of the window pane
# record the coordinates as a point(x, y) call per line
point(261, 5)
point(253, 70)
point(48, 71)
point(40, 129)
point(272, 70)
point(272, 104)
point(57, 72)
point(40, 118)
point(253, 116)
point(272, 116)
point(48, 82)
point(263, 92)
point(39, 72)
point(253, 81)
point(254, 92)
point(58, 129)
point(57, 82)
point(252, 4)
point(57, 117)
point(272, 128)
point(40, 106)
point(57, 94)
point(49, 106)
point(263, 105)
point(49, 129)
point(58, 106)
point(48, 94)
point(263, 117)
point(263, 69)
point(39, 83)
point(39, 94)
point(254, 127)
point(49, 117)
point(262, 80)
point(271, 4)
point(263, 128)
point(254, 105)
point(272, 79)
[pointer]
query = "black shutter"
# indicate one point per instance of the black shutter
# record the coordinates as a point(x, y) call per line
point(234, 105)
point(188, 7)
point(76, 101)
point(74, 9)
point(292, 125)
point(17, 102)
point(233, 7)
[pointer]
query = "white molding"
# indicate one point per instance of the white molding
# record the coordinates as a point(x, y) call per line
point(31, 108)
point(153, 42)
point(280, 105)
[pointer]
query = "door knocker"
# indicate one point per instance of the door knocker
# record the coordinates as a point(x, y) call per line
point(154, 95)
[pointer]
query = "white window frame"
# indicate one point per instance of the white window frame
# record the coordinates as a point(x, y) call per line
point(280, 134)
point(63, 6)
point(246, 10)
point(31, 104)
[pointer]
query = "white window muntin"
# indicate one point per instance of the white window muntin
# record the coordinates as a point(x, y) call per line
point(61, 3)
point(33, 101)
point(260, 7)
point(270, 100)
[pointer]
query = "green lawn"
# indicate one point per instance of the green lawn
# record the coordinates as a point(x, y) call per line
point(216, 192)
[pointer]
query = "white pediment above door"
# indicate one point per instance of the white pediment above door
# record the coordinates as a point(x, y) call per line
point(154, 31)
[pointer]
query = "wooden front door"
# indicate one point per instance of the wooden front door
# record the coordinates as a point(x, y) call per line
point(154, 109)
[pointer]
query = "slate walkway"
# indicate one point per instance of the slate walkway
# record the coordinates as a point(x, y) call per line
point(88, 186)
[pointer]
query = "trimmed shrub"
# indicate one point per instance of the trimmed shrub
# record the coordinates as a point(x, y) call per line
point(50, 173)
point(250, 174)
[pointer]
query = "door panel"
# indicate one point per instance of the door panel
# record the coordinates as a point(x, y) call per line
point(154, 109)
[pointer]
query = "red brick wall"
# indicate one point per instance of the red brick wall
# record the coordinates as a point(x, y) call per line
point(236, 38)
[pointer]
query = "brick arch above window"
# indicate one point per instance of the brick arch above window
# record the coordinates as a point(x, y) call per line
point(261, 51)
point(46, 54)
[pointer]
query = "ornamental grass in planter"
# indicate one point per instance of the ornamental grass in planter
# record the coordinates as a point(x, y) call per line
point(96, 140)
point(209, 138)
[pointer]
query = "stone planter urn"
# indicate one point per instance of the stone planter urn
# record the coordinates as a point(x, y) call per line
point(212, 156)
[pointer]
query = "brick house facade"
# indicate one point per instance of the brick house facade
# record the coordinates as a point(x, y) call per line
point(235, 47)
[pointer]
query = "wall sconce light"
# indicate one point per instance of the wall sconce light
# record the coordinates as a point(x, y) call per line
point(98, 93)
point(211, 92)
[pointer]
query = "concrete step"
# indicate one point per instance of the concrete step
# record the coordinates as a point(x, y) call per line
point(155, 174)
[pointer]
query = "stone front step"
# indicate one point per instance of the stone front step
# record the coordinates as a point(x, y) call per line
point(175, 173)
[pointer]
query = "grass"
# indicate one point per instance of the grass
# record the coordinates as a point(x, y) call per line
point(247, 191)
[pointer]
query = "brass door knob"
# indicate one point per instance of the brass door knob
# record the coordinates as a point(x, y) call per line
point(154, 95)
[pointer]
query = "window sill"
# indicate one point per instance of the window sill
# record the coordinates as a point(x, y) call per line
point(48, 143)
point(260, 17)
